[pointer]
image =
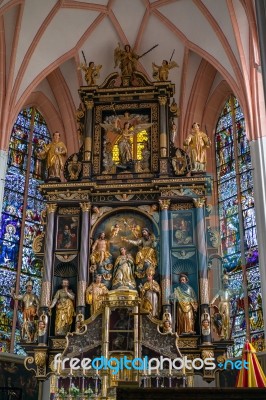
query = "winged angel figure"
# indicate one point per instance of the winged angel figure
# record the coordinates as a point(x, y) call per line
point(161, 72)
point(126, 132)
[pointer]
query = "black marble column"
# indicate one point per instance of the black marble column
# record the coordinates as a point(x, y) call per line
point(83, 258)
point(47, 273)
point(88, 140)
point(163, 136)
point(204, 310)
point(165, 252)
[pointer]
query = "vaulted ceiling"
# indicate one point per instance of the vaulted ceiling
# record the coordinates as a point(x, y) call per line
point(41, 45)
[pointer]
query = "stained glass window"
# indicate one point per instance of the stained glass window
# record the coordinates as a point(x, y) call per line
point(238, 225)
point(21, 218)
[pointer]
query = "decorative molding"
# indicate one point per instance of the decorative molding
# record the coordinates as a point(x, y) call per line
point(69, 210)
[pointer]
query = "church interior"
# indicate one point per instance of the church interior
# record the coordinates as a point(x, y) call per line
point(132, 192)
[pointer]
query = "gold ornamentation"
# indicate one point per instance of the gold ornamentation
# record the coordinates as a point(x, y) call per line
point(45, 294)
point(207, 354)
point(199, 202)
point(40, 358)
point(58, 343)
point(28, 360)
point(68, 211)
point(51, 208)
point(181, 206)
point(89, 104)
point(38, 243)
point(74, 168)
point(164, 166)
point(79, 195)
point(163, 152)
point(164, 204)
point(187, 343)
point(85, 207)
point(221, 359)
point(81, 293)
point(86, 169)
point(162, 100)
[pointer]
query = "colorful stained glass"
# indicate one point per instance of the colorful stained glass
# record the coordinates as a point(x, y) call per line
point(234, 177)
point(21, 218)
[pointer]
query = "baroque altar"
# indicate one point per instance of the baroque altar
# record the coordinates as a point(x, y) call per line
point(125, 247)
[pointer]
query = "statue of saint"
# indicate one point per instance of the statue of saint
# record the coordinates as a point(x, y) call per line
point(30, 312)
point(64, 301)
point(95, 294)
point(187, 306)
point(151, 294)
point(222, 318)
point(123, 271)
point(146, 256)
point(197, 142)
point(54, 153)
point(161, 72)
point(126, 59)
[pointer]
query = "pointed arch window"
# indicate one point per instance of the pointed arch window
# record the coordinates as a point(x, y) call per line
point(238, 226)
point(21, 220)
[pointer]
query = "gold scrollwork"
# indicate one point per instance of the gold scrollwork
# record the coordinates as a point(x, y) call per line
point(181, 206)
point(37, 243)
point(40, 358)
point(70, 210)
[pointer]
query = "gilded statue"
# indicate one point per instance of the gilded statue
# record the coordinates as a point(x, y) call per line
point(187, 306)
point(126, 59)
point(221, 319)
point(64, 301)
point(124, 271)
point(161, 72)
point(54, 153)
point(95, 294)
point(197, 142)
point(146, 256)
point(151, 294)
point(30, 308)
point(100, 252)
point(92, 72)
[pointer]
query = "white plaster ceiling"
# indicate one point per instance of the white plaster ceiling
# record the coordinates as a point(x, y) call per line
point(41, 36)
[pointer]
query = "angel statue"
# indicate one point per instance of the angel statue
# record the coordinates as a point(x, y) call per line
point(126, 132)
point(92, 72)
point(161, 72)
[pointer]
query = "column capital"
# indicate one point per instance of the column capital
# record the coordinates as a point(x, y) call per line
point(89, 104)
point(199, 202)
point(51, 208)
point(162, 100)
point(85, 206)
point(164, 204)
